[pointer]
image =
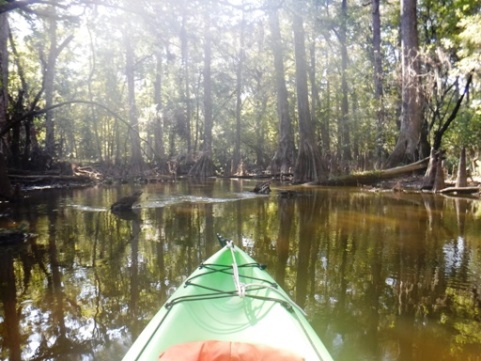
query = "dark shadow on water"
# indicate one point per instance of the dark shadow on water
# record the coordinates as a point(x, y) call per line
point(127, 214)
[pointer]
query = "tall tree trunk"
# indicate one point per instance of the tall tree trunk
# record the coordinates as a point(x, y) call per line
point(315, 100)
point(158, 126)
point(312, 77)
point(93, 113)
point(261, 105)
point(49, 79)
point(462, 177)
point(240, 64)
point(136, 162)
point(204, 167)
point(5, 185)
point(186, 85)
point(283, 160)
point(325, 123)
point(308, 164)
point(354, 128)
point(49, 82)
point(207, 148)
point(325, 115)
point(4, 30)
point(344, 128)
point(378, 81)
point(261, 160)
point(406, 147)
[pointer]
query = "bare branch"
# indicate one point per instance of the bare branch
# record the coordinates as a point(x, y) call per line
point(439, 134)
point(12, 5)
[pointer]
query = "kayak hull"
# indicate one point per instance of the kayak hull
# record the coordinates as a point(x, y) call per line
point(222, 302)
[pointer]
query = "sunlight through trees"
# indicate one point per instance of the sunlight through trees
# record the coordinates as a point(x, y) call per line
point(209, 87)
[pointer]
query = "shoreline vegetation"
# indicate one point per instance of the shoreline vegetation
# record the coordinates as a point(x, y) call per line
point(414, 177)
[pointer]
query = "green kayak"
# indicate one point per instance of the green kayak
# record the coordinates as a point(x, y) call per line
point(229, 302)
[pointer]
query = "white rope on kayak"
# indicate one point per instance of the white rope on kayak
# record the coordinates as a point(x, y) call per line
point(289, 301)
point(241, 287)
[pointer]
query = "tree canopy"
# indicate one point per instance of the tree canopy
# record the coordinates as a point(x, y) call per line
point(295, 87)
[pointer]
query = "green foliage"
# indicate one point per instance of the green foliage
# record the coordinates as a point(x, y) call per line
point(469, 53)
point(92, 68)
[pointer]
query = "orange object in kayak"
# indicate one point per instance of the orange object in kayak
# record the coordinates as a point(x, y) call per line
point(226, 351)
point(229, 298)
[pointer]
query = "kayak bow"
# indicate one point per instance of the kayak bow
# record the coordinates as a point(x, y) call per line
point(231, 299)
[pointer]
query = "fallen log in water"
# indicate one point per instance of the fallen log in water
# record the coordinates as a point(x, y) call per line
point(371, 177)
point(36, 180)
point(459, 190)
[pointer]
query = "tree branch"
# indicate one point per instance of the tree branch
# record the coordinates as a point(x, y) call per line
point(439, 134)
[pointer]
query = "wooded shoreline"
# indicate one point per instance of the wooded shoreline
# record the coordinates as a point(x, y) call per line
point(261, 83)
point(410, 177)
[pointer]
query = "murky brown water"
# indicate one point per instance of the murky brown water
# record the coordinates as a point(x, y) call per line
point(382, 276)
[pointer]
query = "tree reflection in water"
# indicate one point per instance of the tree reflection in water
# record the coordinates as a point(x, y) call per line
point(382, 276)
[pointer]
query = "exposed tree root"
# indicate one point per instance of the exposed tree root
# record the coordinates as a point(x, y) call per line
point(203, 167)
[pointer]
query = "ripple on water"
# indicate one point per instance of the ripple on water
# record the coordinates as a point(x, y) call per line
point(170, 201)
point(85, 208)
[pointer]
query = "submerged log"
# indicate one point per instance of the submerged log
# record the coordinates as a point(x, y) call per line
point(9, 236)
point(126, 203)
point(371, 177)
point(262, 188)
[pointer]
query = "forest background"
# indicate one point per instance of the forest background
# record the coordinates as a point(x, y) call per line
point(305, 88)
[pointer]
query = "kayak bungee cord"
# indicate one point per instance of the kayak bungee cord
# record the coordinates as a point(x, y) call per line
point(217, 293)
point(242, 287)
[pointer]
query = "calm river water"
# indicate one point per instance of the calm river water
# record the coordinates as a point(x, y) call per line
point(382, 276)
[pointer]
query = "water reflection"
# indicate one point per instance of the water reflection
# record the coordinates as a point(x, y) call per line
point(382, 276)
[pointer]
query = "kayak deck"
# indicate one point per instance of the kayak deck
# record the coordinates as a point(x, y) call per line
point(230, 297)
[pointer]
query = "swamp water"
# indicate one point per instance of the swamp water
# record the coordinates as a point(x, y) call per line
point(382, 276)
